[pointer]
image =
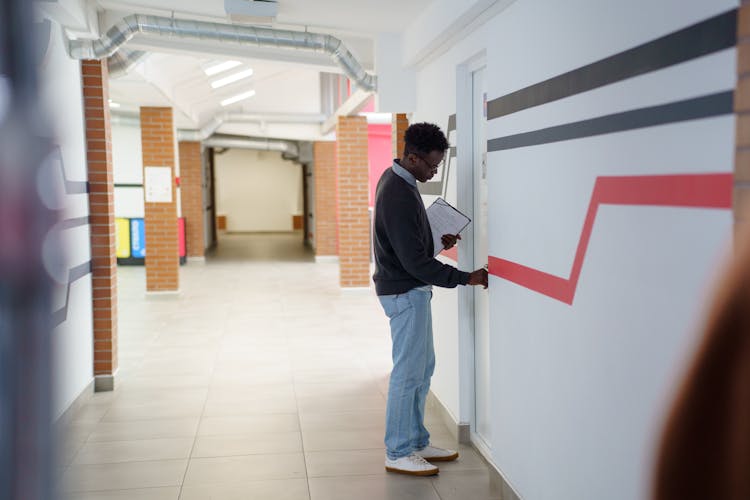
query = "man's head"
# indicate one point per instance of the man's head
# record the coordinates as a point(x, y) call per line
point(424, 149)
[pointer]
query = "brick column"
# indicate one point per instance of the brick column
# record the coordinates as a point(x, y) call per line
point(399, 124)
point(162, 245)
point(191, 194)
point(326, 232)
point(353, 196)
point(102, 221)
point(742, 111)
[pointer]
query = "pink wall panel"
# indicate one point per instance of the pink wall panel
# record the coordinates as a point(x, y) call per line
point(379, 147)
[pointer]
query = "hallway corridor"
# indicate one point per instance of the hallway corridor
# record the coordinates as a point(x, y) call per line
point(261, 380)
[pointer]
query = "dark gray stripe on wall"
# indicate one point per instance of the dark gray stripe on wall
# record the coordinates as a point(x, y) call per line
point(71, 223)
point(76, 187)
point(451, 123)
point(712, 35)
point(71, 187)
point(74, 274)
point(690, 109)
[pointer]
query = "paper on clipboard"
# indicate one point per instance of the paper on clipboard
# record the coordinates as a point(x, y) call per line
point(444, 219)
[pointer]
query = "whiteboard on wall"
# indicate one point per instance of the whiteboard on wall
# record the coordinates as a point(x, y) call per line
point(158, 184)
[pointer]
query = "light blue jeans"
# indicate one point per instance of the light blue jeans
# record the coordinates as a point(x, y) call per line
point(413, 364)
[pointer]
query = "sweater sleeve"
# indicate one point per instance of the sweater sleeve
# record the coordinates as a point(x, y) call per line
point(403, 229)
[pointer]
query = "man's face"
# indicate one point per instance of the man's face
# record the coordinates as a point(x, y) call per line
point(426, 166)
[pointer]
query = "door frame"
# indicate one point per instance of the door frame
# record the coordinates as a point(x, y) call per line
point(465, 201)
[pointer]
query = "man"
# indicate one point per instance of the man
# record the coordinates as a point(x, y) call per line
point(404, 275)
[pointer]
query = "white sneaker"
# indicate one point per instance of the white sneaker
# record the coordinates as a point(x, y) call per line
point(435, 454)
point(411, 464)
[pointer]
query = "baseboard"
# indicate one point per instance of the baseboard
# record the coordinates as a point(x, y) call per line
point(104, 383)
point(326, 259)
point(461, 432)
point(196, 260)
point(63, 421)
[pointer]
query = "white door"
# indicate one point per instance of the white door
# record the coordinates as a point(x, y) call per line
point(482, 425)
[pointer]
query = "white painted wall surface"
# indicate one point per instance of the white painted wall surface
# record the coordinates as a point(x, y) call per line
point(257, 190)
point(73, 340)
point(127, 158)
point(579, 390)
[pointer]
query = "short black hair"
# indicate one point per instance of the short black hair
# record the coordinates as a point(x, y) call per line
point(424, 138)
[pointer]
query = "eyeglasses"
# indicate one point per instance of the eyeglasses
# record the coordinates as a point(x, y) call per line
point(434, 167)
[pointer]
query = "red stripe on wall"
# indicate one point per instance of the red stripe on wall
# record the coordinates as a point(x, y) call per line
point(696, 191)
point(451, 253)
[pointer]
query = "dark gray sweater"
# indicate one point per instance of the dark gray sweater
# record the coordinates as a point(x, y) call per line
point(403, 241)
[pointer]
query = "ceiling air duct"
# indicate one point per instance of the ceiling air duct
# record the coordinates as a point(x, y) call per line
point(119, 34)
point(288, 148)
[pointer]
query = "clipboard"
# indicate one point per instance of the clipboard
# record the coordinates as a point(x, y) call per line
point(444, 218)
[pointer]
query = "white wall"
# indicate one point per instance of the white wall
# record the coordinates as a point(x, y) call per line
point(257, 190)
point(579, 391)
point(127, 160)
point(73, 339)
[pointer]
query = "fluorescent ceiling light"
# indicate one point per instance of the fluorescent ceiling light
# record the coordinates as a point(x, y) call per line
point(238, 98)
point(247, 73)
point(113, 104)
point(223, 66)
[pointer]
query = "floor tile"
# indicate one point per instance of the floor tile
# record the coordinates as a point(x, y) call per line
point(126, 475)
point(171, 493)
point(133, 451)
point(343, 440)
point(381, 487)
point(278, 489)
point(463, 485)
point(231, 469)
point(248, 424)
point(345, 463)
point(248, 444)
point(468, 460)
point(249, 407)
point(344, 421)
point(341, 404)
point(154, 410)
point(144, 429)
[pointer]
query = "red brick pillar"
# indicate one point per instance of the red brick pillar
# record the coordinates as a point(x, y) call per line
point(101, 220)
point(353, 196)
point(399, 124)
point(326, 237)
point(162, 244)
point(191, 196)
point(742, 111)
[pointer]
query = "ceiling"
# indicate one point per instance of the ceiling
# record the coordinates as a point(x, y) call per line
point(285, 82)
point(366, 17)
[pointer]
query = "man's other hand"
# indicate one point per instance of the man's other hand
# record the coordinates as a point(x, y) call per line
point(479, 277)
point(449, 240)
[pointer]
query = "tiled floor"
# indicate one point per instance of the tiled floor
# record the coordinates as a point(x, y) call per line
point(261, 380)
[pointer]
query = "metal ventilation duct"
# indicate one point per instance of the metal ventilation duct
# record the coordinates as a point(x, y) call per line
point(214, 123)
point(123, 31)
point(288, 148)
point(134, 120)
point(123, 61)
